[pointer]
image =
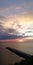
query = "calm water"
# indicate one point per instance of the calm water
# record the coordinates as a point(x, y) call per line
point(8, 57)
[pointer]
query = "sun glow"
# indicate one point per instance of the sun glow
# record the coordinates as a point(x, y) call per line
point(20, 40)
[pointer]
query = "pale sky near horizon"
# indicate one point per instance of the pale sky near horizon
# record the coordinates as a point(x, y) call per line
point(16, 19)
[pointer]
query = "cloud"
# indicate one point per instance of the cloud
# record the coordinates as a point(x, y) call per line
point(13, 21)
point(2, 18)
point(15, 7)
point(8, 34)
point(16, 33)
point(16, 18)
point(16, 25)
point(10, 8)
point(24, 6)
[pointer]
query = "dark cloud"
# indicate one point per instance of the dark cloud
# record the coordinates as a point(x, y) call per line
point(10, 30)
point(4, 37)
point(4, 33)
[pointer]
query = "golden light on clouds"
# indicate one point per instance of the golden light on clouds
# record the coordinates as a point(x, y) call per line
point(25, 19)
point(13, 21)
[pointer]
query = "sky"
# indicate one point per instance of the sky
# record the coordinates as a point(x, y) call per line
point(16, 19)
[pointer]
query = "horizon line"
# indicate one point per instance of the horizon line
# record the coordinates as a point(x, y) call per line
point(16, 40)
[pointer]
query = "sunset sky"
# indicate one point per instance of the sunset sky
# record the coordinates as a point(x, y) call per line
point(16, 19)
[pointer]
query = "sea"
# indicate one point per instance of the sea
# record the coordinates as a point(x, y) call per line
point(10, 58)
